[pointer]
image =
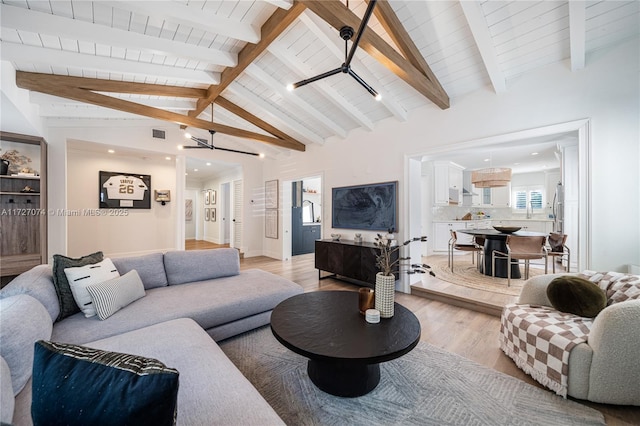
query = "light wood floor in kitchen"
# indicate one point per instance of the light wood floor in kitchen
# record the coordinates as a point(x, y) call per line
point(471, 334)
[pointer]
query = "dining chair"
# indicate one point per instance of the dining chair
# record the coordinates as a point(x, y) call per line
point(473, 247)
point(558, 248)
point(521, 248)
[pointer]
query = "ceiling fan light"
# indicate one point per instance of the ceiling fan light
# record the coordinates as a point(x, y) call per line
point(187, 135)
point(378, 97)
point(290, 87)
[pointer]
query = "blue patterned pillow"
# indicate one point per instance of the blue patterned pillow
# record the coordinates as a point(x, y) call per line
point(77, 385)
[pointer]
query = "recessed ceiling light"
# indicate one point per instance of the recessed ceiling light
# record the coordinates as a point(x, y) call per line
point(208, 164)
point(195, 170)
point(167, 158)
point(534, 153)
point(110, 151)
point(515, 164)
point(487, 159)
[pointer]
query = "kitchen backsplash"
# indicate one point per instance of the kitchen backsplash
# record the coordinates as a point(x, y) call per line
point(457, 212)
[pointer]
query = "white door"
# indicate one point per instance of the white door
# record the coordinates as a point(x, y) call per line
point(236, 230)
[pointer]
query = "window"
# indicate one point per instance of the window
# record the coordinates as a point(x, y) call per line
point(531, 196)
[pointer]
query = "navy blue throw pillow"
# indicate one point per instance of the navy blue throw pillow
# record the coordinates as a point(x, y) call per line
point(77, 385)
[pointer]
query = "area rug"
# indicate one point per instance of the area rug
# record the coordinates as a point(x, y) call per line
point(428, 386)
point(466, 274)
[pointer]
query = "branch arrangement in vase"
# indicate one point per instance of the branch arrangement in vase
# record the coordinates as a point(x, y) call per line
point(384, 259)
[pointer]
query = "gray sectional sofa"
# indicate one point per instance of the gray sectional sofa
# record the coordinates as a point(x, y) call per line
point(192, 299)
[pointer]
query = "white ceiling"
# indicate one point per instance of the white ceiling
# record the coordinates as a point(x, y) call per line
point(468, 45)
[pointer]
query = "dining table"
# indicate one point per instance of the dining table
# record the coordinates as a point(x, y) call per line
point(497, 241)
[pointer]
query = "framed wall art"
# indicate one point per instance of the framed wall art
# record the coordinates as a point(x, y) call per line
point(212, 196)
point(271, 194)
point(207, 198)
point(213, 214)
point(271, 223)
point(207, 214)
point(128, 190)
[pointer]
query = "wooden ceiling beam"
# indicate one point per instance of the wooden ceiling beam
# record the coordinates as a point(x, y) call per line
point(272, 28)
point(90, 97)
point(392, 25)
point(110, 86)
point(256, 121)
point(337, 15)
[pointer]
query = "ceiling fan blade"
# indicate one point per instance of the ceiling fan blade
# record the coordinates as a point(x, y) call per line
point(235, 150)
point(363, 83)
point(196, 147)
point(363, 26)
point(317, 77)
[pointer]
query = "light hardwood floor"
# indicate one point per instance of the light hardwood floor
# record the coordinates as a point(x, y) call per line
point(471, 334)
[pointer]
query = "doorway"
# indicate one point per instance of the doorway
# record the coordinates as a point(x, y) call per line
point(306, 214)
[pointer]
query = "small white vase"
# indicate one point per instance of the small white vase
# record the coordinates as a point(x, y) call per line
point(384, 294)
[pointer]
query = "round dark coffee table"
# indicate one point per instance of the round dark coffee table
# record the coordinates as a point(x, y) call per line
point(344, 350)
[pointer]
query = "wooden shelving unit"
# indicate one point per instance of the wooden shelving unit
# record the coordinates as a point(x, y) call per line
point(23, 214)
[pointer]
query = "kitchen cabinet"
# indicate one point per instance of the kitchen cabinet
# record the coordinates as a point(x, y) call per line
point(447, 183)
point(23, 199)
point(491, 197)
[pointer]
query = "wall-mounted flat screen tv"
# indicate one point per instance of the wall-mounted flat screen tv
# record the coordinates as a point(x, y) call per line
point(367, 207)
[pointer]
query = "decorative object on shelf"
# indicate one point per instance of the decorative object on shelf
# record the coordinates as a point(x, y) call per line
point(16, 162)
point(130, 190)
point(357, 238)
point(365, 299)
point(28, 189)
point(507, 229)
point(385, 279)
point(336, 237)
point(491, 177)
point(4, 167)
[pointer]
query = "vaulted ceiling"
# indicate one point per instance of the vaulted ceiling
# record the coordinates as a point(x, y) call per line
point(173, 60)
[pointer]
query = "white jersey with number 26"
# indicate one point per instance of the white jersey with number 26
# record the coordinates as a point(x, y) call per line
point(123, 187)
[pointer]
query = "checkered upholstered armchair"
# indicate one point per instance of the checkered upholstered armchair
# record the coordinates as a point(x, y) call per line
point(602, 368)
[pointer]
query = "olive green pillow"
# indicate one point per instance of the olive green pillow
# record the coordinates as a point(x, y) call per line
point(576, 296)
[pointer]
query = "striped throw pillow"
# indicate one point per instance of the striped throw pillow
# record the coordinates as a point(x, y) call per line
point(110, 296)
point(83, 276)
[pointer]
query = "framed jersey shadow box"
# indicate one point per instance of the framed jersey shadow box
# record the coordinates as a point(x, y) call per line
point(124, 190)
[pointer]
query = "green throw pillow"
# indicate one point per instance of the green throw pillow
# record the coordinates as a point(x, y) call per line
point(68, 305)
point(576, 296)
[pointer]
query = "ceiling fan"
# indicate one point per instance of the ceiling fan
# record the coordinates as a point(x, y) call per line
point(346, 33)
point(203, 144)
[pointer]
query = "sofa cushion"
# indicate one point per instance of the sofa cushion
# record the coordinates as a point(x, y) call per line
point(77, 385)
point(198, 265)
point(576, 296)
point(110, 296)
point(212, 390)
point(37, 282)
point(618, 286)
point(66, 301)
point(24, 321)
point(7, 399)
point(150, 267)
point(210, 303)
point(83, 276)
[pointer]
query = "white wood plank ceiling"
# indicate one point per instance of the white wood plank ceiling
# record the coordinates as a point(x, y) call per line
point(468, 45)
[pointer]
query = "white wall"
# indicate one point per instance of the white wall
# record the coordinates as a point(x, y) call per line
point(120, 232)
point(605, 92)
